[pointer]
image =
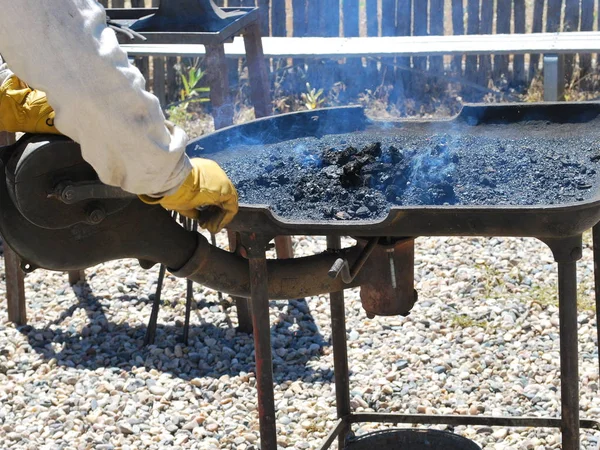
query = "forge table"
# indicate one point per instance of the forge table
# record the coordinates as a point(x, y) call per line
point(559, 226)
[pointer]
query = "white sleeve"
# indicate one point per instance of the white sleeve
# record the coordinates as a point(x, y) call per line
point(65, 49)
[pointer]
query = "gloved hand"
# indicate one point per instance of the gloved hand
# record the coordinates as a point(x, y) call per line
point(23, 109)
point(207, 185)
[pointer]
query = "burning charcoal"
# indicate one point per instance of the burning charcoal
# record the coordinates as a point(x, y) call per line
point(283, 179)
point(328, 211)
point(487, 181)
point(439, 148)
point(372, 149)
point(351, 175)
point(454, 158)
point(396, 155)
point(595, 158)
point(298, 194)
point(372, 205)
point(363, 211)
point(391, 192)
point(269, 168)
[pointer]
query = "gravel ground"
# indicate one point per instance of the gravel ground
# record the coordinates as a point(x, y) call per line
point(483, 339)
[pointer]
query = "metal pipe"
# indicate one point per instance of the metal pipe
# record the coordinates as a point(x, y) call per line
point(457, 420)
point(288, 278)
point(569, 370)
point(340, 351)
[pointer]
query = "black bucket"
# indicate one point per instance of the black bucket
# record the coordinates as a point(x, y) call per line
point(411, 440)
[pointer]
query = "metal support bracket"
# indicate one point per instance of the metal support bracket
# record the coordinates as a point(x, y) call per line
point(554, 77)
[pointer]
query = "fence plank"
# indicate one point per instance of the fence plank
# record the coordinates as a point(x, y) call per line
point(118, 4)
point(503, 19)
point(278, 25)
point(436, 28)
point(172, 80)
point(537, 27)
point(553, 16)
point(402, 74)
point(472, 28)
point(372, 77)
point(298, 30)
point(486, 27)
point(420, 29)
point(571, 24)
point(458, 28)
point(519, 75)
point(587, 24)
point(354, 65)
point(264, 6)
point(388, 25)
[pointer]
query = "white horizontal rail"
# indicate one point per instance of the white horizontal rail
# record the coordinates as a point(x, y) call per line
point(333, 47)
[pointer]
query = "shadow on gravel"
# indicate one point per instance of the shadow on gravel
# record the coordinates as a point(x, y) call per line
point(213, 350)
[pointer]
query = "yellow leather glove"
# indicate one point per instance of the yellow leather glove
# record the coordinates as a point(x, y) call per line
point(23, 109)
point(207, 185)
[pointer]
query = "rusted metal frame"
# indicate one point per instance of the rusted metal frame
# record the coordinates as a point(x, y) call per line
point(242, 304)
point(15, 284)
point(569, 360)
point(596, 250)
point(220, 98)
point(256, 246)
point(151, 330)
point(340, 355)
point(567, 251)
point(15, 287)
point(75, 276)
point(457, 420)
point(191, 225)
point(336, 431)
point(342, 267)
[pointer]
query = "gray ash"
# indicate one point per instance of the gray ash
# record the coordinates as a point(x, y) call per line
point(360, 176)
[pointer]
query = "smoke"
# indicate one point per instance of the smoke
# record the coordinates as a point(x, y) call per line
point(430, 174)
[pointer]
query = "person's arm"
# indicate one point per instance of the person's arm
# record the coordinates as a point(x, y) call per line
point(65, 50)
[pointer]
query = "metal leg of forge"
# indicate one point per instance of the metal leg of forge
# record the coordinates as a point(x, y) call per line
point(596, 247)
point(256, 246)
point(567, 252)
point(340, 350)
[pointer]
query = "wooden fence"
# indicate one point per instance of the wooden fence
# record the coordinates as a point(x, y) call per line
point(349, 18)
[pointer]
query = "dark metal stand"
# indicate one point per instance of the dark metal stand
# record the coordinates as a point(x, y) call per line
point(256, 246)
point(340, 351)
point(596, 247)
point(567, 251)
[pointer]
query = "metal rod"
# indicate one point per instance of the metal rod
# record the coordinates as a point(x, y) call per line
point(340, 351)
point(340, 426)
point(596, 247)
point(189, 294)
point(435, 419)
point(569, 370)
point(341, 266)
point(259, 288)
point(213, 241)
point(151, 330)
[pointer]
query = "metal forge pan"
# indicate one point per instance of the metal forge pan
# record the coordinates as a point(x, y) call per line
point(541, 220)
